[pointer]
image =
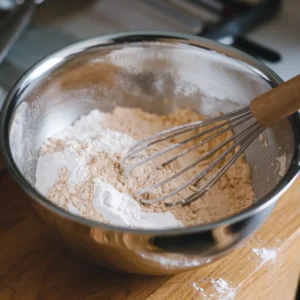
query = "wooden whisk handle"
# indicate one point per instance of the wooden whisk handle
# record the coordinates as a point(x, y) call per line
point(277, 103)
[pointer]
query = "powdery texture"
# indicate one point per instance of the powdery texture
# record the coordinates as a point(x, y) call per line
point(222, 290)
point(98, 141)
point(265, 254)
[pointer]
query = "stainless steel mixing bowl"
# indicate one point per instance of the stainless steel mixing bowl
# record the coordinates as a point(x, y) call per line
point(157, 72)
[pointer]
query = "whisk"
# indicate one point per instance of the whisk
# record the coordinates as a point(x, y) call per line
point(264, 111)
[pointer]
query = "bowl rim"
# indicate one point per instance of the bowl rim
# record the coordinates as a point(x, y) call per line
point(259, 68)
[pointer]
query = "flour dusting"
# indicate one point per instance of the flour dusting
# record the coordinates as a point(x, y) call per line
point(222, 290)
point(265, 254)
point(197, 287)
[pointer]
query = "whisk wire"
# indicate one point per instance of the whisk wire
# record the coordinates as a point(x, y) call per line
point(181, 130)
point(230, 127)
point(243, 135)
point(172, 147)
point(205, 156)
point(214, 179)
point(217, 158)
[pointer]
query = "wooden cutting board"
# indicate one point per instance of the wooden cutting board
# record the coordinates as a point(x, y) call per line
point(33, 265)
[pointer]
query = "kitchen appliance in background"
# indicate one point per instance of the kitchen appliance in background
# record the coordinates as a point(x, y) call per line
point(57, 23)
point(225, 20)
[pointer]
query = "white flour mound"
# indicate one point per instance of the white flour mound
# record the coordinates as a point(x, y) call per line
point(79, 144)
point(265, 254)
point(121, 209)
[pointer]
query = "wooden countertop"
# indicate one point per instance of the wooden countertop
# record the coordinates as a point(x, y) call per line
point(33, 265)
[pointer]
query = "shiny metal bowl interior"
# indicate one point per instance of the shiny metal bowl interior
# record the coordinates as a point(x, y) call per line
point(157, 72)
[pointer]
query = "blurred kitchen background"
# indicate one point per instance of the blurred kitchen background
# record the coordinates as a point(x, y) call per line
point(31, 29)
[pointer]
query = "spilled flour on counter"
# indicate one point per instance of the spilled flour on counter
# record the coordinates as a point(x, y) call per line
point(79, 170)
point(197, 287)
point(265, 254)
point(222, 290)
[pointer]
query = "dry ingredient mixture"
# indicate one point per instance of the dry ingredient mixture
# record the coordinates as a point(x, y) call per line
point(79, 170)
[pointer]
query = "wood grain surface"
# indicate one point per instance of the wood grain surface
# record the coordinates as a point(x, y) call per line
point(34, 265)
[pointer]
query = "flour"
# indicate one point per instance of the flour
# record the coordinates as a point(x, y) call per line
point(79, 170)
point(198, 288)
point(115, 207)
point(265, 254)
point(172, 261)
point(53, 163)
point(222, 289)
point(121, 209)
